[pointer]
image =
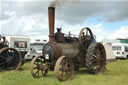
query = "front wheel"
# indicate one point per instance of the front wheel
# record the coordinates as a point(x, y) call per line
point(64, 68)
point(10, 59)
point(39, 67)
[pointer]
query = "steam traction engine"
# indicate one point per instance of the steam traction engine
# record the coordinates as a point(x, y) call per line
point(65, 54)
point(10, 58)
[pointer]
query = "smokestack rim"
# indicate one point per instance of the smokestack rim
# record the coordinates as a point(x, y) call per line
point(51, 7)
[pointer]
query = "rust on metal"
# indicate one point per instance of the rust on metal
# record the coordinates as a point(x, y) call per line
point(57, 50)
point(59, 36)
point(38, 67)
point(100, 59)
point(96, 58)
point(51, 14)
point(65, 49)
point(64, 68)
point(70, 50)
point(85, 39)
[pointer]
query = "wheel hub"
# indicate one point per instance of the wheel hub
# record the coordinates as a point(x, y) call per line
point(41, 67)
point(9, 59)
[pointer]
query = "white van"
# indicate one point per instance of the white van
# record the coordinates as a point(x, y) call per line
point(120, 50)
point(35, 50)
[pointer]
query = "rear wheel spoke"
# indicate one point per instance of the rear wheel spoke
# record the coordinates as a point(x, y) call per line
point(97, 63)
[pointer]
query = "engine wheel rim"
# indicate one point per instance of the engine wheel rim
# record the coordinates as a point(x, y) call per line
point(64, 68)
point(99, 59)
point(11, 59)
point(38, 67)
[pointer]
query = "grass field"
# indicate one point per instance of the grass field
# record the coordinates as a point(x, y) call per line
point(116, 74)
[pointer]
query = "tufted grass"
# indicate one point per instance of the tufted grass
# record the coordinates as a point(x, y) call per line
point(116, 74)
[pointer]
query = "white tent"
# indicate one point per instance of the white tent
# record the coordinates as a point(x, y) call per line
point(109, 53)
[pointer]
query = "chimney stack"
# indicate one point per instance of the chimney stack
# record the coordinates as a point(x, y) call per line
point(51, 14)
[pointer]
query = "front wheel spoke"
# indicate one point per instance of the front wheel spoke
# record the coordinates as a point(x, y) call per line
point(68, 73)
point(13, 60)
point(2, 63)
point(35, 63)
point(35, 68)
point(7, 65)
point(42, 62)
point(61, 69)
point(68, 69)
point(14, 63)
point(42, 71)
point(36, 72)
point(66, 62)
point(2, 57)
point(62, 75)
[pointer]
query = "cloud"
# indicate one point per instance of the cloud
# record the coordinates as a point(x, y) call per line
point(111, 11)
point(22, 8)
point(117, 11)
point(28, 25)
point(99, 31)
point(31, 26)
point(27, 17)
point(31, 7)
point(72, 13)
point(4, 16)
point(120, 33)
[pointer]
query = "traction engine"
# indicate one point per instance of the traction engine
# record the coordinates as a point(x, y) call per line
point(66, 53)
point(10, 58)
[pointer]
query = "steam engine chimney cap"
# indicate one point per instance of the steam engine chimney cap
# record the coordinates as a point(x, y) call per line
point(51, 7)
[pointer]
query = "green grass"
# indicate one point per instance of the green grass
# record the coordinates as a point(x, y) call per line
point(116, 74)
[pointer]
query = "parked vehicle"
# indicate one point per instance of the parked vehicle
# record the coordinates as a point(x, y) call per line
point(120, 50)
point(64, 54)
point(20, 43)
point(35, 50)
point(10, 58)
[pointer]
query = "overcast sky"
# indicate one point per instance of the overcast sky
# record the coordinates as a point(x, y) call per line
point(106, 18)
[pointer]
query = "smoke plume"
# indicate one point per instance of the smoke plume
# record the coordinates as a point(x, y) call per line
point(55, 3)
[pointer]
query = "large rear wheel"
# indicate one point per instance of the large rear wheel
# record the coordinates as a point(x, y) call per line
point(95, 58)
